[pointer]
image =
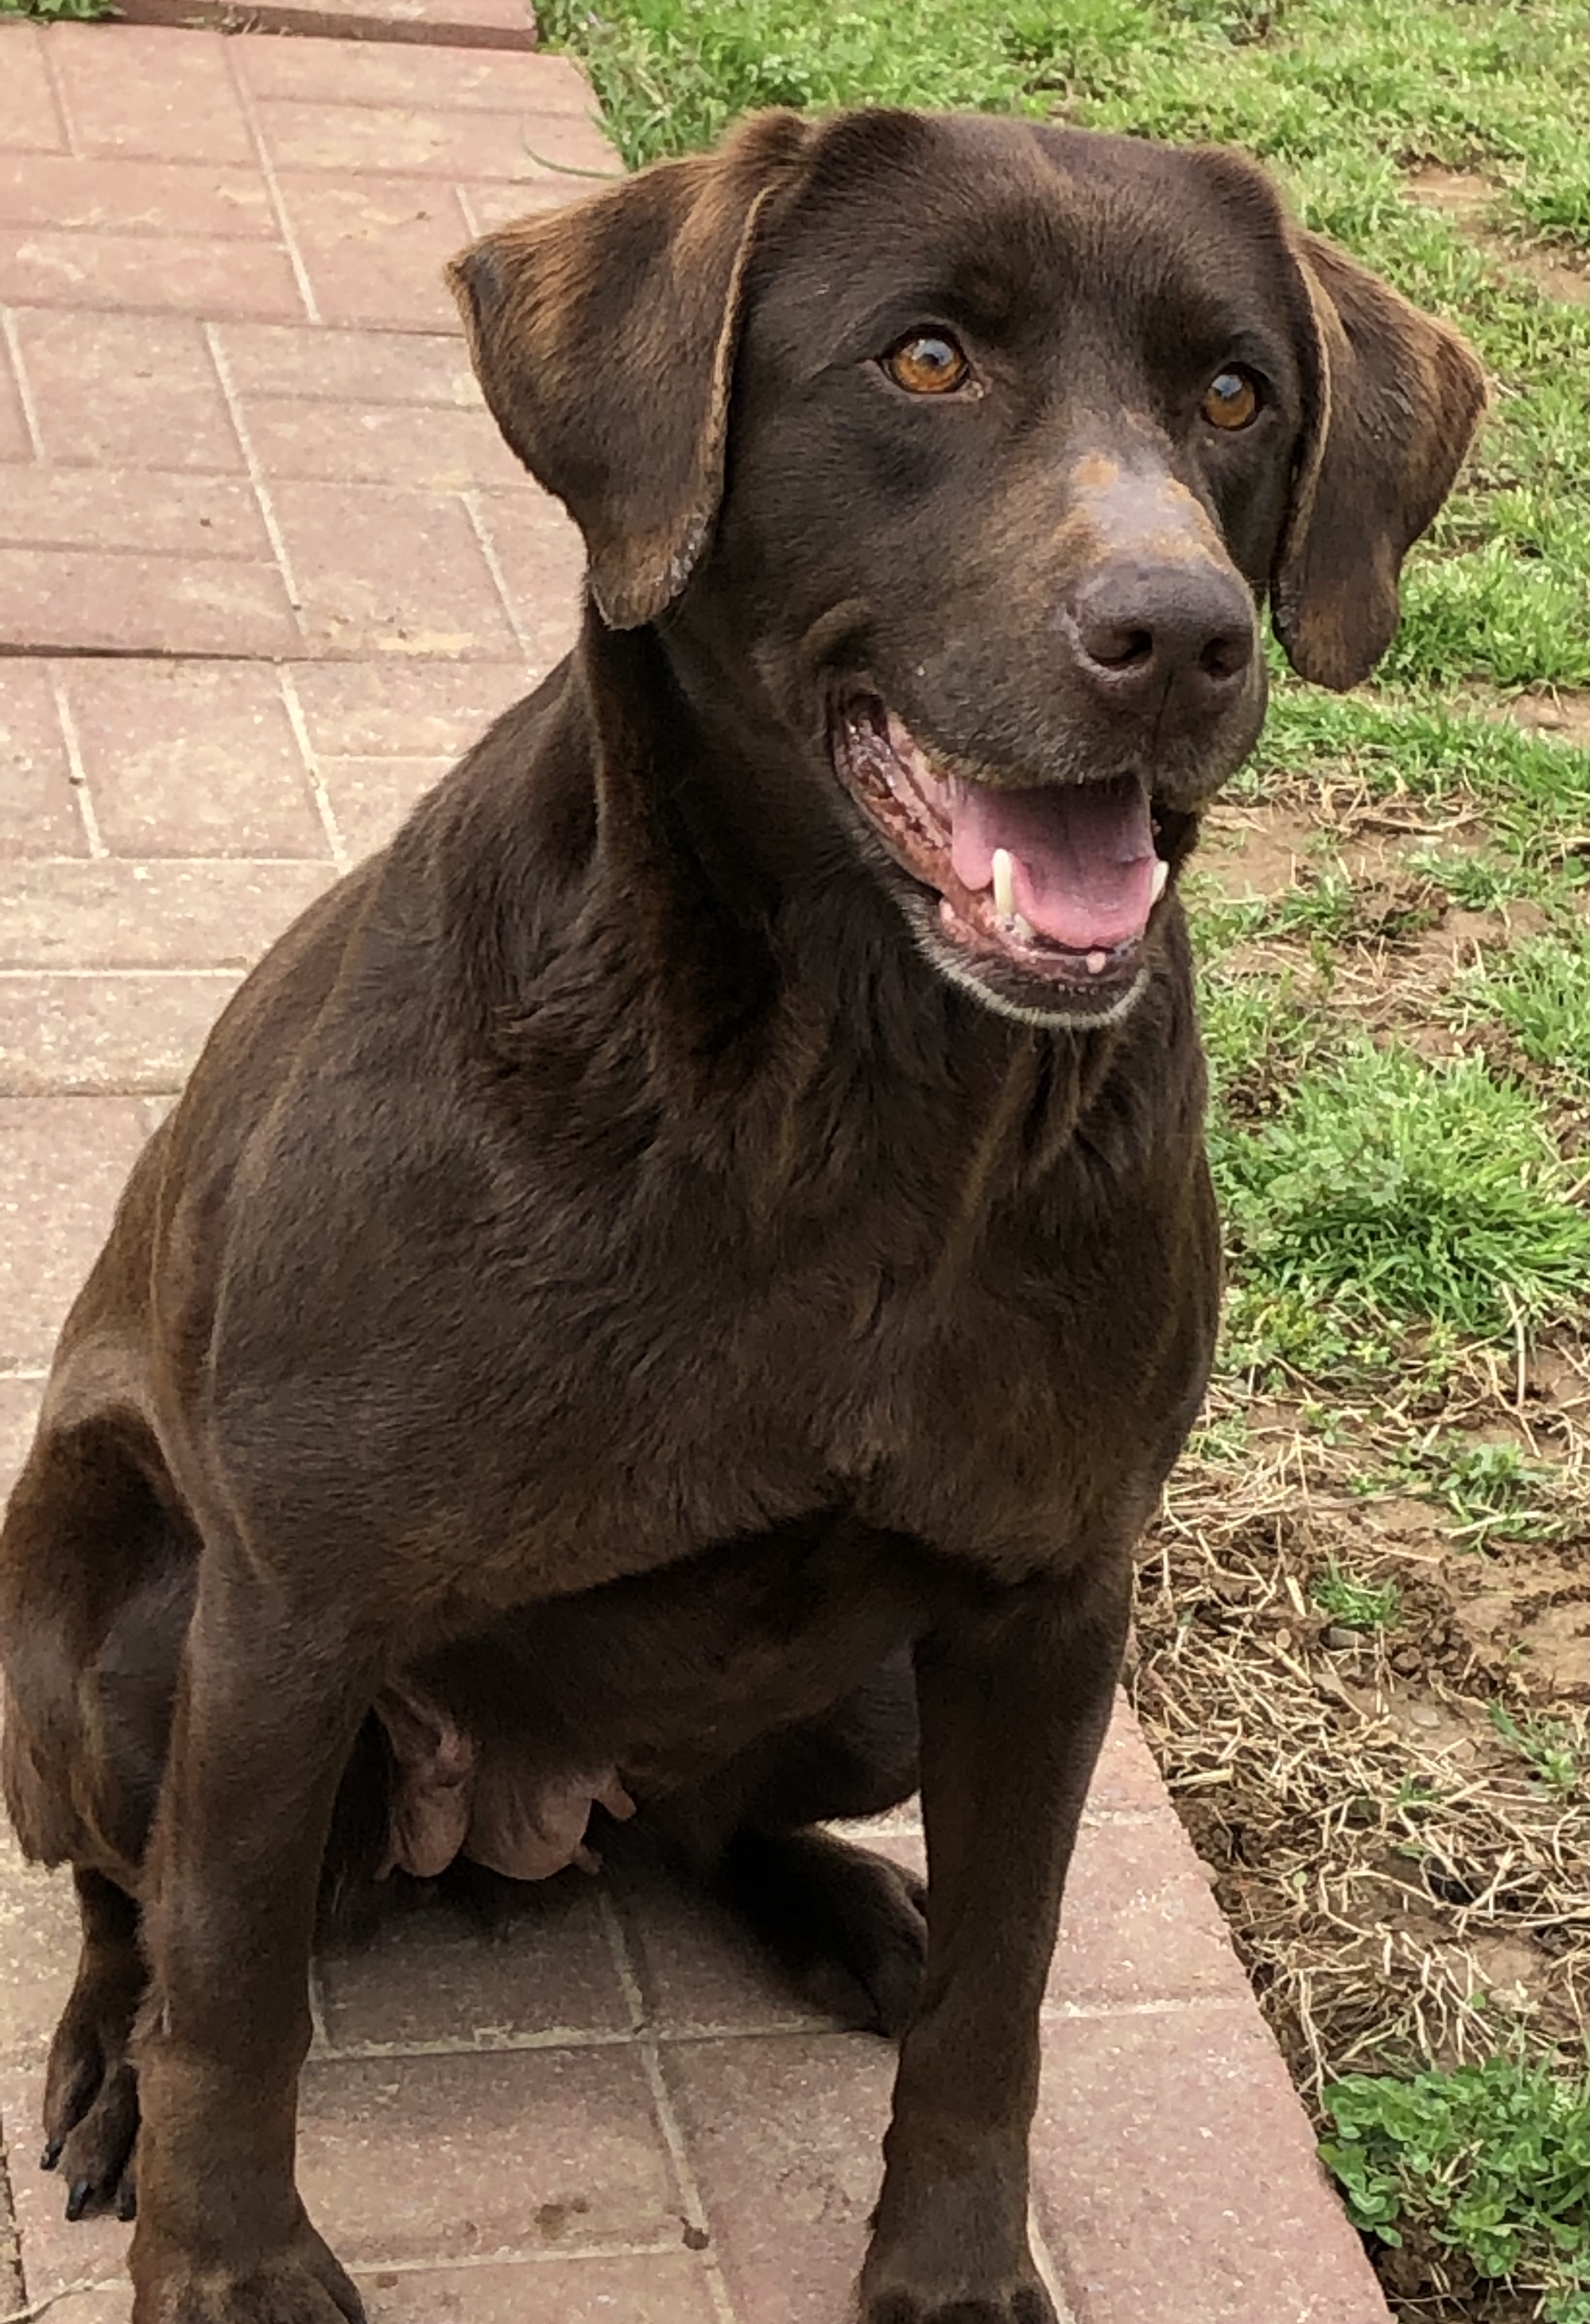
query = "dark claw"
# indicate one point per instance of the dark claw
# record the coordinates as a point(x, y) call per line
point(77, 2202)
point(51, 2155)
point(127, 2202)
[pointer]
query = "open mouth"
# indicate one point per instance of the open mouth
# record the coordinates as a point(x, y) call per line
point(1045, 885)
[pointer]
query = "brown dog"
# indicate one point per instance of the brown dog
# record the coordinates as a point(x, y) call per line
point(709, 1229)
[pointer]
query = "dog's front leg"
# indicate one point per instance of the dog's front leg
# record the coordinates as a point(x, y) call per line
point(1013, 1705)
point(269, 1701)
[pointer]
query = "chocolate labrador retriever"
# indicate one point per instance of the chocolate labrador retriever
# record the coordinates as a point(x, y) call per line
point(699, 1255)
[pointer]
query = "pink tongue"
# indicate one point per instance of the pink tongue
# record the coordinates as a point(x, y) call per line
point(1082, 856)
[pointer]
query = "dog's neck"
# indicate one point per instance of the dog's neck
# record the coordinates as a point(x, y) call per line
point(774, 962)
point(759, 988)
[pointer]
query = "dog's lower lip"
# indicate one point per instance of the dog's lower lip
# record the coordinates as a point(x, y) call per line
point(910, 806)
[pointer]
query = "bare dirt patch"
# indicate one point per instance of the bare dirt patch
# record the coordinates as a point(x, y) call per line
point(1472, 201)
point(1256, 850)
point(1566, 715)
point(1332, 860)
point(1461, 193)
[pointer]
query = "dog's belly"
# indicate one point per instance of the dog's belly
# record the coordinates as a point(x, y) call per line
point(499, 1747)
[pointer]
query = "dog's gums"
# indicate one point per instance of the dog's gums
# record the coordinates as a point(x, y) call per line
point(1056, 879)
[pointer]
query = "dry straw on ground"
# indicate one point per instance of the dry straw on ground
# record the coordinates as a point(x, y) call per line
point(1403, 1885)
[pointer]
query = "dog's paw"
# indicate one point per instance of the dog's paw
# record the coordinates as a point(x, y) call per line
point(969, 2277)
point(91, 2119)
point(850, 1927)
point(1027, 2303)
point(304, 2285)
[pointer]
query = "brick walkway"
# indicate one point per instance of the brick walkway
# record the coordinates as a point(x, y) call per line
point(265, 569)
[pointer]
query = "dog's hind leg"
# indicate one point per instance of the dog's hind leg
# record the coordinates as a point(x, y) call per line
point(95, 1588)
point(847, 1926)
point(91, 2088)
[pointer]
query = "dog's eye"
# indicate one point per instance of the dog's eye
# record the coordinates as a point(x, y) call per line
point(928, 363)
point(1231, 400)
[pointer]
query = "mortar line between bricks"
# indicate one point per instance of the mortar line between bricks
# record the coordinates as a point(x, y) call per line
point(301, 274)
point(133, 554)
point(471, 509)
point(24, 393)
point(223, 371)
point(33, 2309)
point(648, 2247)
point(311, 765)
point(668, 2121)
point(188, 862)
point(786, 2029)
point(77, 772)
point(19, 975)
point(62, 109)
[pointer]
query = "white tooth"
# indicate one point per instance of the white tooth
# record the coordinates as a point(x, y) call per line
point(1005, 884)
point(1023, 926)
point(1097, 961)
point(1161, 873)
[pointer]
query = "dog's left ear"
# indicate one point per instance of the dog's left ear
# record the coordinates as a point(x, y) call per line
point(604, 337)
point(1395, 402)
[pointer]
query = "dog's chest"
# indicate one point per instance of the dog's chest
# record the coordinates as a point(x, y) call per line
point(982, 1403)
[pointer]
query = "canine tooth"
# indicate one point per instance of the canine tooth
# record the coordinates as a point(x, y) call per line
point(1023, 926)
point(1097, 961)
point(1005, 884)
point(1161, 873)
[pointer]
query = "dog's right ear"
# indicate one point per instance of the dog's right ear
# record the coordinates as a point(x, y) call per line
point(604, 339)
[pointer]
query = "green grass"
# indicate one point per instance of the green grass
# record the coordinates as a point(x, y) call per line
point(1540, 991)
point(1547, 1745)
point(1356, 1605)
point(1491, 1491)
point(1534, 791)
point(82, 12)
point(1490, 2162)
point(1388, 1194)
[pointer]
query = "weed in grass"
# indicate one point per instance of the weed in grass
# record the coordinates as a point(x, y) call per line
point(1492, 1491)
point(1260, 1032)
point(1386, 1193)
point(1490, 2161)
point(1549, 1744)
point(1356, 1605)
point(1475, 883)
point(1540, 990)
point(1223, 1439)
point(82, 12)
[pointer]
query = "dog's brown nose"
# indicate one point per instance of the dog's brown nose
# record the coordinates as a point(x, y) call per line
point(1183, 634)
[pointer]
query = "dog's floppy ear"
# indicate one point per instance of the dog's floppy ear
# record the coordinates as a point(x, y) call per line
point(1396, 398)
point(604, 337)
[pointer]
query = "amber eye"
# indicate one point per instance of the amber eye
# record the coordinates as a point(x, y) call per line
point(1231, 400)
point(927, 363)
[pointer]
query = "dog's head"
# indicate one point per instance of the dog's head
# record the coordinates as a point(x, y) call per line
point(983, 443)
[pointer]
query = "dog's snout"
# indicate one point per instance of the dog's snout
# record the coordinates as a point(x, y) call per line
point(1143, 633)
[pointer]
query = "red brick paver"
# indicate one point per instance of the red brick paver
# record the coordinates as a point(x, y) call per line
point(266, 569)
point(455, 24)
